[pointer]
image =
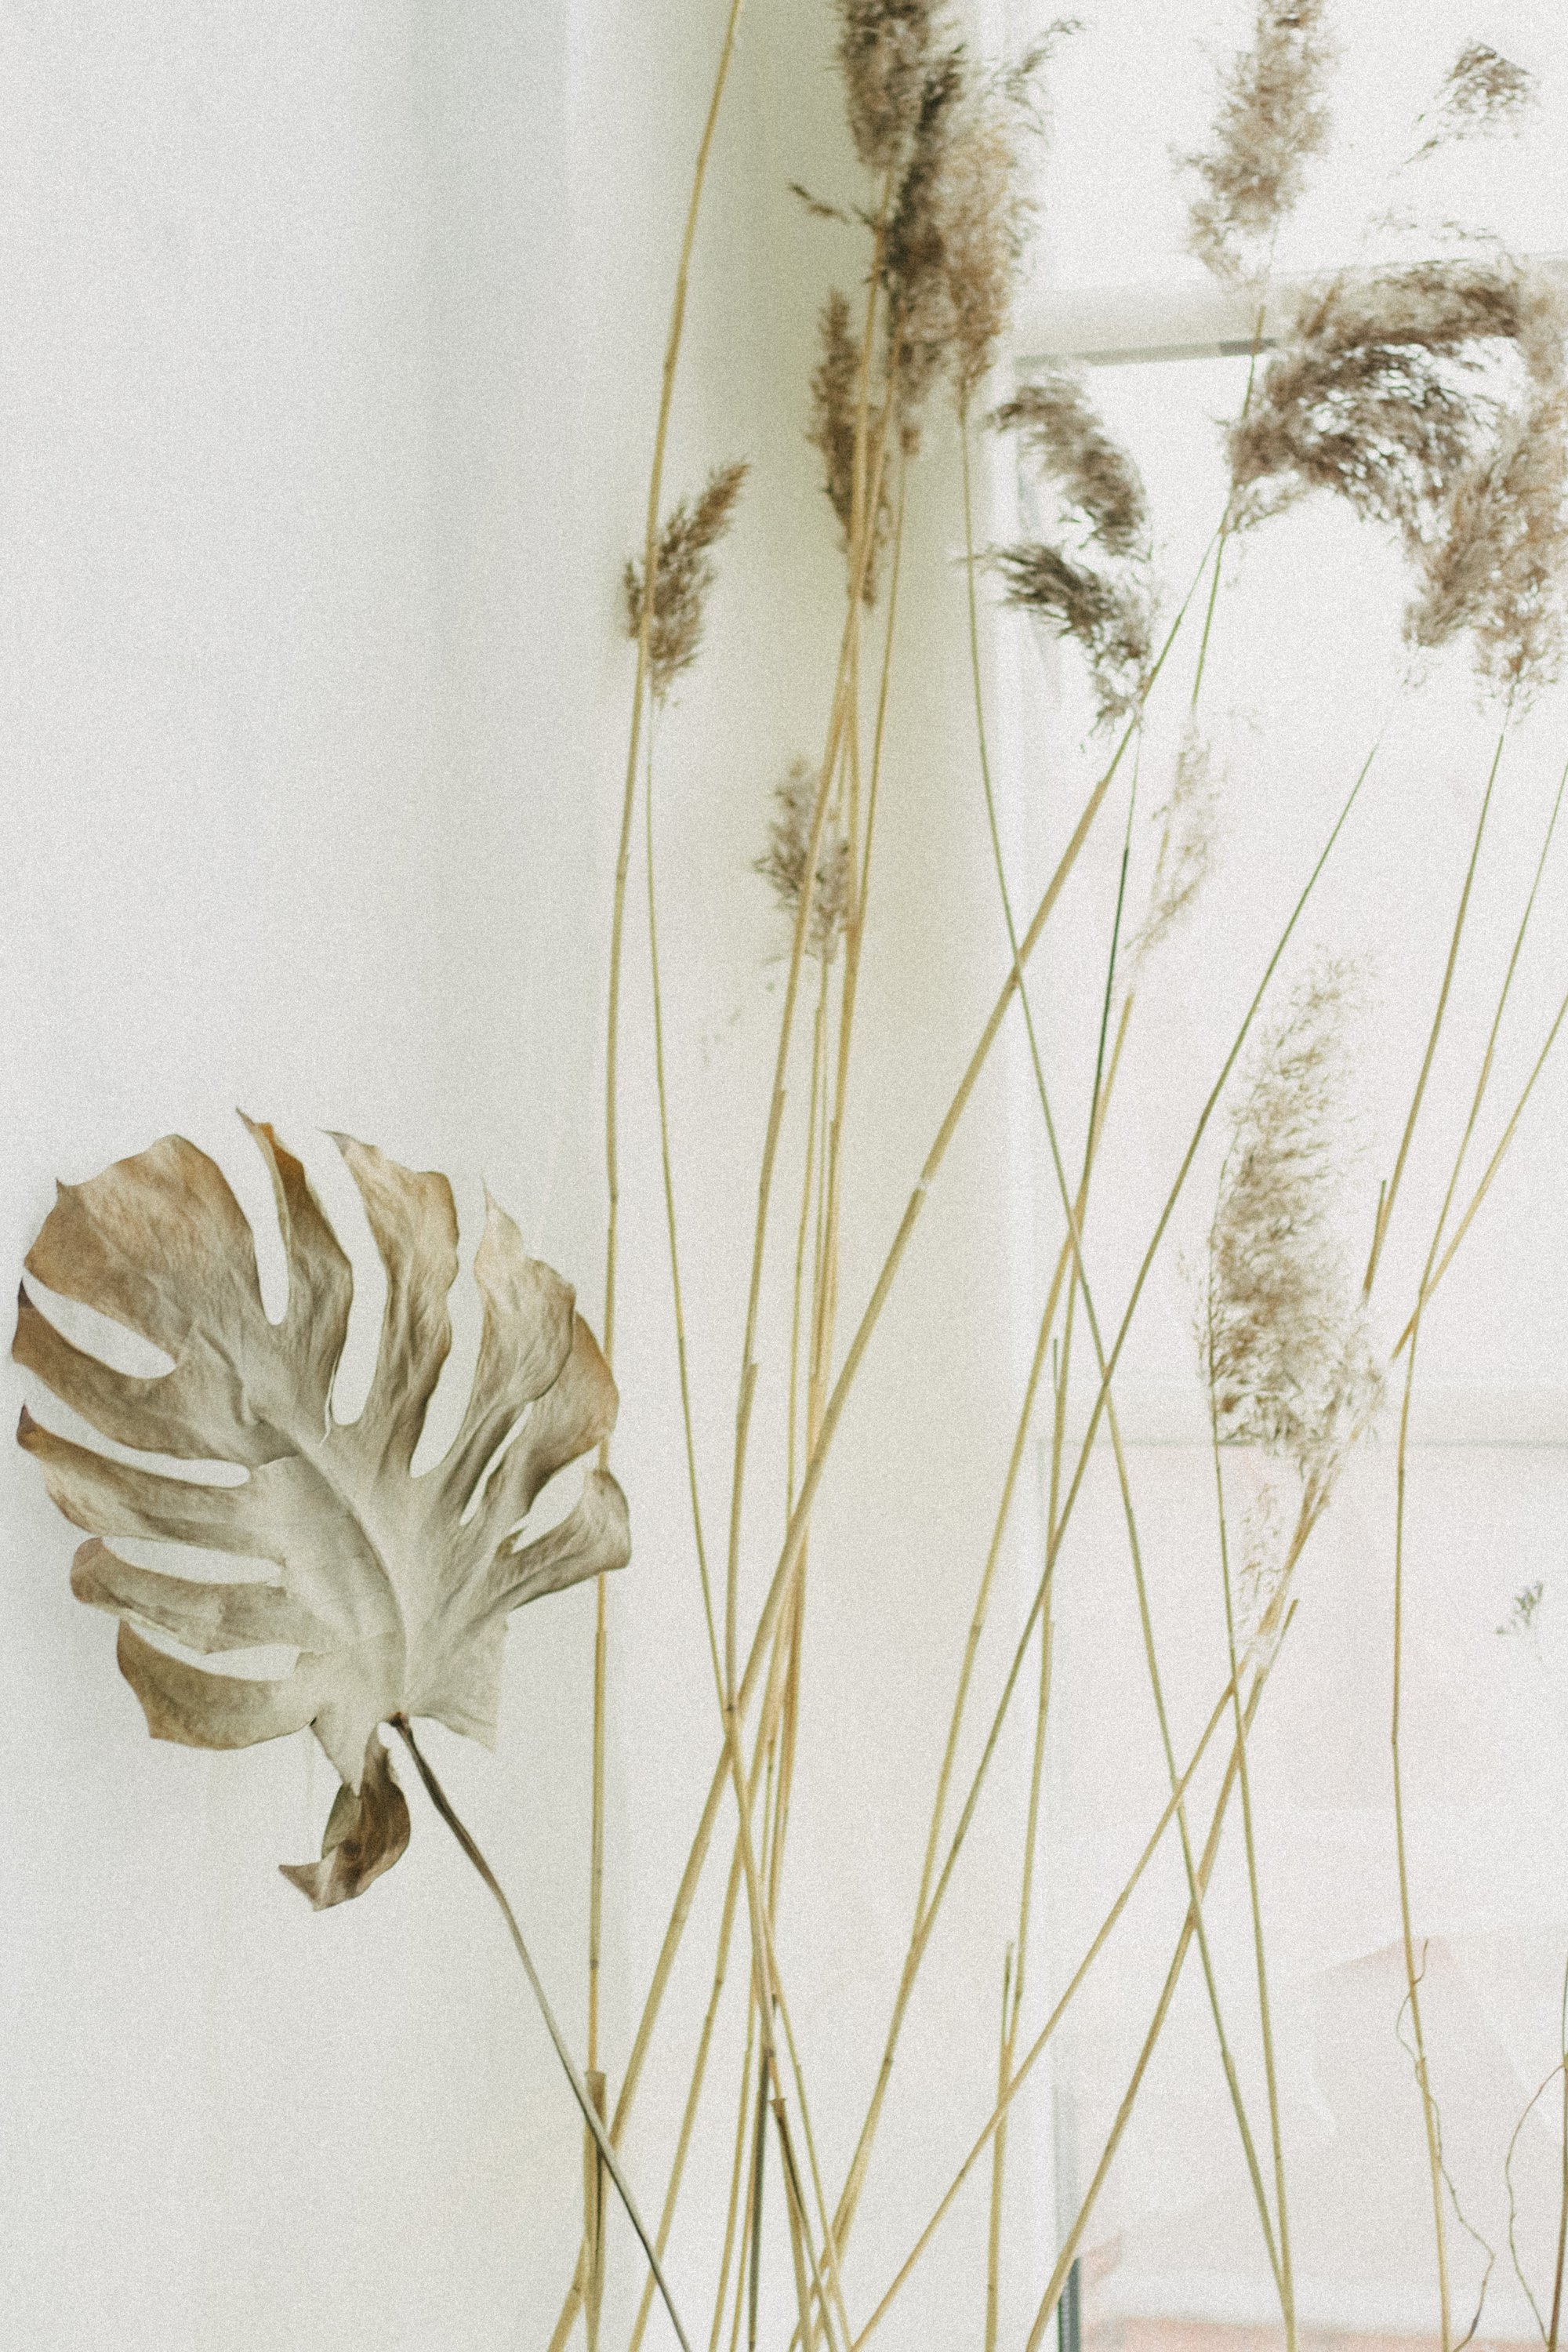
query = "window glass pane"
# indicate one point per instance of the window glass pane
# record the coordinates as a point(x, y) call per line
point(1134, 91)
point(1307, 671)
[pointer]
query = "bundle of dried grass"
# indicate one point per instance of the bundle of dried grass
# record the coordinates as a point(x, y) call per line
point(783, 863)
point(834, 411)
point(1484, 92)
point(1381, 395)
point(1093, 477)
point(683, 574)
point(1273, 118)
point(1111, 620)
point(1189, 826)
point(1282, 1325)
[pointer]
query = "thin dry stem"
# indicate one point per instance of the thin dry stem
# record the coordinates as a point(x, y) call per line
point(783, 1572)
point(1413, 1973)
point(1493, 1165)
point(465, 1839)
point(1037, 2047)
point(1254, 1900)
point(617, 935)
point(998, 2165)
point(1081, 1276)
point(693, 2093)
point(1074, 2239)
point(1043, 1588)
point(1391, 1191)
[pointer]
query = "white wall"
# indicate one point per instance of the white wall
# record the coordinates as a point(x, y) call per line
point(328, 382)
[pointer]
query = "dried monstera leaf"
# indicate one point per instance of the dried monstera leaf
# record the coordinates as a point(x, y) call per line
point(394, 1589)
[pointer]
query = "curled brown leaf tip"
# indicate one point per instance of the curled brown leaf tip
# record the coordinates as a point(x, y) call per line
point(683, 574)
point(393, 1591)
point(366, 1833)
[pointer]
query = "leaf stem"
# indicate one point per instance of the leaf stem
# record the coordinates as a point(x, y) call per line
point(443, 1805)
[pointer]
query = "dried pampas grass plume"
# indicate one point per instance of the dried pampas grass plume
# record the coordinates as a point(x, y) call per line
point(1261, 1554)
point(784, 862)
point(834, 406)
point(883, 46)
point(1189, 826)
point(1111, 620)
point(1092, 475)
point(1108, 611)
point(1381, 397)
point(683, 574)
point(958, 227)
point(1484, 92)
point(1282, 1325)
point(1496, 571)
point(914, 273)
point(1273, 118)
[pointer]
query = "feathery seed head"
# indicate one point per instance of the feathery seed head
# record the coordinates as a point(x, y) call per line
point(1283, 1325)
point(1393, 392)
point(834, 403)
point(1189, 826)
point(683, 573)
point(1092, 475)
point(882, 51)
point(1273, 118)
point(1111, 620)
point(783, 863)
point(1484, 91)
point(957, 230)
point(1497, 568)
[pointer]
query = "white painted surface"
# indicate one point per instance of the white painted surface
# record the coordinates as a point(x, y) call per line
point(328, 384)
